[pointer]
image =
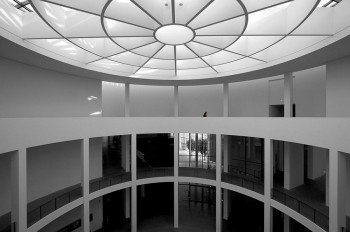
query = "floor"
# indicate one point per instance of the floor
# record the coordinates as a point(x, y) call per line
point(313, 193)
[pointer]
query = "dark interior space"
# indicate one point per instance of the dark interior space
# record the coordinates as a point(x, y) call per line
point(196, 207)
point(155, 150)
point(114, 216)
point(278, 223)
point(246, 214)
point(112, 154)
point(155, 207)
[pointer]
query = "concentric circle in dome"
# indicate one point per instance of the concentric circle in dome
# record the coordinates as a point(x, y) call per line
point(174, 34)
point(175, 38)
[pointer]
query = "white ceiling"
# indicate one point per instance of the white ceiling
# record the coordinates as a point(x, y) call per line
point(174, 39)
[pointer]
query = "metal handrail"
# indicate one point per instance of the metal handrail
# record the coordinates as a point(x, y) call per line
point(41, 213)
point(232, 168)
point(243, 181)
point(107, 181)
point(155, 172)
point(197, 172)
point(299, 205)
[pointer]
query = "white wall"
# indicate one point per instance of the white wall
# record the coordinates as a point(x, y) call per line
point(113, 97)
point(338, 85)
point(293, 165)
point(27, 91)
point(249, 99)
point(5, 183)
point(317, 162)
point(151, 101)
point(56, 166)
point(310, 92)
point(195, 100)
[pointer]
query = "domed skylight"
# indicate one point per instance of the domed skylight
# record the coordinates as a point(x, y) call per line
point(174, 39)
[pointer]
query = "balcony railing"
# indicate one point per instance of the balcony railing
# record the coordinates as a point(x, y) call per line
point(53, 204)
point(154, 172)
point(241, 170)
point(303, 208)
point(198, 172)
point(243, 181)
point(108, 181)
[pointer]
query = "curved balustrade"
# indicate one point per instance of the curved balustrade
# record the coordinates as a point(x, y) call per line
point(52, 205)
point(197, 172)
point(154, 172)
point(243, 182)
point(303, 208)
point(108, 181)
point(26, 133)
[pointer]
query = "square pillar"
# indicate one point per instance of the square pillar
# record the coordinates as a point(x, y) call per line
point(218, 181)
point(268, 183)
point(176, 182)
point(337, 190)
point(176, 101)
point(126, 147)
point(134, 208)
point(127, 101)
point(286, 223)
point(226, 193)
point(133, 157)
point(288, 95)
point(293, 165)
point(19, 189)
point(225, 100)
point(85, 183)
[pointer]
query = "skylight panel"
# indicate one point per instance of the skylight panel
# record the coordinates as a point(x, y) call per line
point(22, 5)
point(328, 3)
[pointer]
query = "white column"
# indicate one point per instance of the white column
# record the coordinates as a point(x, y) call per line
point(268, 183)
point(127, 101)
point(288, 95)
point(293, 165)
point(176, 101)
point(85, 180)
point(134, 186)
point(225, 100)
point(133, 157)
point(125, 140)
point(134, 208)
point(327, 180)
point(218, 183)
point(286, 223)
point(226, 193)
point(337, 190)
point(19, 189)
point(176, 181)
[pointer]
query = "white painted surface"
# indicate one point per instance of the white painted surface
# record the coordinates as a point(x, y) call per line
point(195, 100)
point(337, 190)
point(113, 97)
point(310, 92)
point(151, 101)
point(321, 132)
point(49, 161)
point(27, 91)
point(293, 165)
point(288, 95)
point(249, 99)
point(338, 85)
point(317, 162)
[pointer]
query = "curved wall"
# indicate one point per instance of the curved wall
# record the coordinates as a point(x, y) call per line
point(23, 133)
